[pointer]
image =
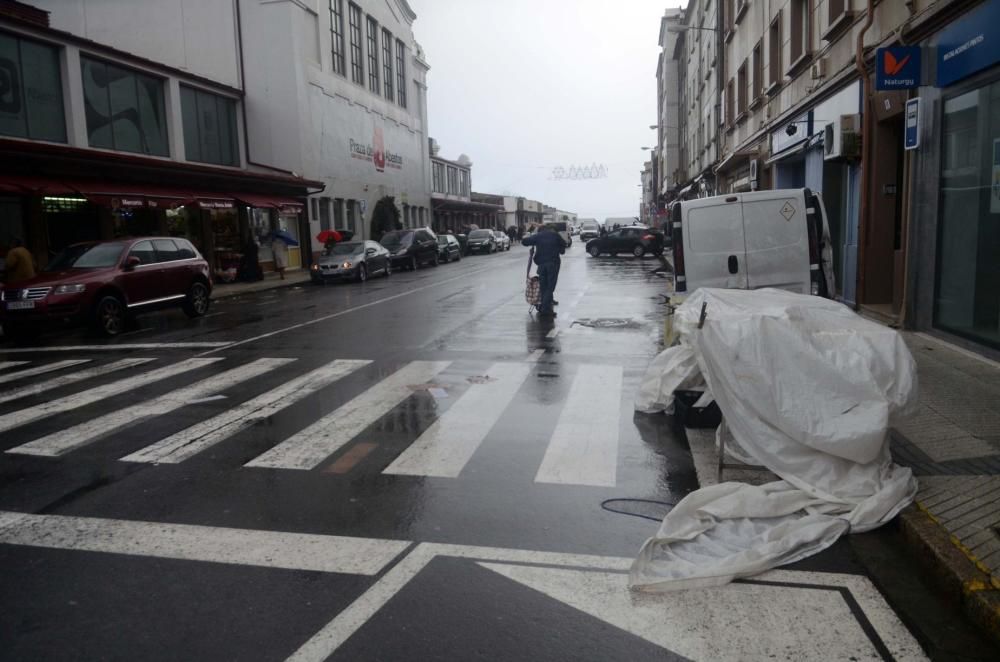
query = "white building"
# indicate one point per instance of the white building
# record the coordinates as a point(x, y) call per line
point(668, 120)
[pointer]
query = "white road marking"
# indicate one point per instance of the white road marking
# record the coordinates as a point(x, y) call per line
point(4, 365)
point(112, 348)
point(448, 444)
point(535, 355)
point(41, 370)
point(186, 443)
point(583, 449)
point(308, 448)
point(56, 382)
point(348, 311)
point(30, 414)
point(269, 549)
point(68, 439)
point(553, 333)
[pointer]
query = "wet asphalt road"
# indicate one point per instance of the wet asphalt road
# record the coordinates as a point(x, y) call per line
point(479, 538)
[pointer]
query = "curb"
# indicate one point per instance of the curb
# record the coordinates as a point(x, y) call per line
point(276, 286)
point(953, 568)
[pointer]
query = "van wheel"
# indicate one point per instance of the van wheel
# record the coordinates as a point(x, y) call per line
point(109, 316)
point(197, 301)
point(639, 251)
point(594, 251)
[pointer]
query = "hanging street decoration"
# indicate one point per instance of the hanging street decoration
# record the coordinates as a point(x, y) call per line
point(593, 171)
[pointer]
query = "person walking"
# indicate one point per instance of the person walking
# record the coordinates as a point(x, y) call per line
point(548, 247)
point(19, 265)
point(280, 251)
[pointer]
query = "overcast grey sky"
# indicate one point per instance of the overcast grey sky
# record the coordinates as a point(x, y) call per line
point(521, 86)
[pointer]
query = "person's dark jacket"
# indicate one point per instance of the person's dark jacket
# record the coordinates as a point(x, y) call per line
point(548, 246)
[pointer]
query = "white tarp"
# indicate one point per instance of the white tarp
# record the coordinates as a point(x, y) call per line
point(807, 388)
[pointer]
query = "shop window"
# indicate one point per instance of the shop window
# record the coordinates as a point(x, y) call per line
point(125, 109)
point(968, 280)
point(31, 103)
point(209, 127)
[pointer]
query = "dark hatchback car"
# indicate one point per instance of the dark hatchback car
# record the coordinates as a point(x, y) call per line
point(448, 248)
point(411, 248)
point(636, 240)
point(104, 283)
point(482, 241)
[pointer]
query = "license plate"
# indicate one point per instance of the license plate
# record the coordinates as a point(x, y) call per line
point(20, 305)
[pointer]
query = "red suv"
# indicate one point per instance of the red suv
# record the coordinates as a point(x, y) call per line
point(103, 283)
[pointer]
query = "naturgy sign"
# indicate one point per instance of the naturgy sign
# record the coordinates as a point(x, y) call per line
point(897, 68)
point(970, 44)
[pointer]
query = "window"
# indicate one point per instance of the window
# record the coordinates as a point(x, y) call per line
point(757, 72)
point(837, 12)
point(31, 102)
point(209, 127)
point(357, 68)
point(741, 89)
point(324, 213)
point(466, 186)
point(350, 215)
point(730, 104)
point(452, 180)
point(337, 35)
point(373, 56)
point(166, 250)
point(401, 73)
point(729, 15)
point(439, 178)
point(387, 80)
point(185, 251)
point(144, 251)
point(338, 213)
point(125, 109)
point(799, 10)
point(774, 51)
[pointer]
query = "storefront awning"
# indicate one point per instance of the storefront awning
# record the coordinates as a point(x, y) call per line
point(289, 205)
point(22, 185)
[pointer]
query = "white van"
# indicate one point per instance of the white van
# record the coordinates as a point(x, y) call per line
point(589, 229)
point(776, 238)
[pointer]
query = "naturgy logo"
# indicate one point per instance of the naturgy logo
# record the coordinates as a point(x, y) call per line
point(891, 65)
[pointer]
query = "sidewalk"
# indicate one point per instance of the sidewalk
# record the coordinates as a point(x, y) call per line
point(271, 281)
point(952, 445)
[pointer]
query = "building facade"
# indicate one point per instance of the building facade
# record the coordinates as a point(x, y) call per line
point(455, 207)
point(668, 107)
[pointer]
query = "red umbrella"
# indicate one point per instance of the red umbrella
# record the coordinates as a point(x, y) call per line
point(328, 235)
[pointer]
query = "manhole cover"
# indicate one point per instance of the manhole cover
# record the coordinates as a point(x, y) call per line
point(608, 323)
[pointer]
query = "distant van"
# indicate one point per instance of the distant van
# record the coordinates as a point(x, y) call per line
point(589, 230)
point(778, 238)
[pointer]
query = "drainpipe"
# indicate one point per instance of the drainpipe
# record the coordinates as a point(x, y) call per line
point(859, 63)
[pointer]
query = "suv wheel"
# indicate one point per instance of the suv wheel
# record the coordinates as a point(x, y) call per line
point(639, 251)
point(362, 273)
point(594, 251)
point(197, 301)
point(109, 315)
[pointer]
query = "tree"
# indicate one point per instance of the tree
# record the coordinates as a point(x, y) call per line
point(385, 217)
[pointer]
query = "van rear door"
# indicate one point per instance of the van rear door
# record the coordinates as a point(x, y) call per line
point(714, 246)
point(777, 240)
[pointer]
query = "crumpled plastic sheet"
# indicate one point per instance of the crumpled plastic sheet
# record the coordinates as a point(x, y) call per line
point(808, 389)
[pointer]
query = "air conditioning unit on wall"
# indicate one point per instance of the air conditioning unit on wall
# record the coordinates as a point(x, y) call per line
point(842, 139)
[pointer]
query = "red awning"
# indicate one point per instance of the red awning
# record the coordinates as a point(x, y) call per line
point(25, 184)
point(118, 195)
point(290, 205)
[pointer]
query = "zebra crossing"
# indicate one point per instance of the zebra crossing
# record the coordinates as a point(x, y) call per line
point(582, 449)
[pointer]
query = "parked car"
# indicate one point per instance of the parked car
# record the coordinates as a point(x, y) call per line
point(411, 248)
point(503, 241)
point(448, 248)
point(777, 238)
point(636, 240)
point(351, 260)
point(103, 283)
point(589, 230)
point(482, 241)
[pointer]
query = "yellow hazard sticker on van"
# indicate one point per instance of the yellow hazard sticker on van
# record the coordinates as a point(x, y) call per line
point(788, 210)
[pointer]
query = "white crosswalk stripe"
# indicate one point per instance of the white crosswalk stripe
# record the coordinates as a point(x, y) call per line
point(71, 378)
point(77, 400)
point(449, 443)
point(41, 370)
point(308, 448)
point(186, 443)
point(76, 436)
point(583, 449)
point(4, 365)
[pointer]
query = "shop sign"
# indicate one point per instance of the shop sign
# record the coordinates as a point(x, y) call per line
point(375, 152)
point(125, 203)
point(216, 204)
point(970, 44)
point(911, 137)
point(897, 68)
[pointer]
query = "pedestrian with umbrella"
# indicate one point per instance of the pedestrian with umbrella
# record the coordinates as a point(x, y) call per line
point(280, 241)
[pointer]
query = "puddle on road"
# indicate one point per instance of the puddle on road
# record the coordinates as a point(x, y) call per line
point(607, 323)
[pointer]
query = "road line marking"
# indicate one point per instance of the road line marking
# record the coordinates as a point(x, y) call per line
point(67, 439)
point(310, 447)
point(351, 458)
point(102, 348)
point(4, 365)
point(29, 414)
point(346, 311)
point(553, 333)
point(536, 355)
point(41, 370)
point(188, 442)
point(583, 449)
point(269, 549)
point(56, 382)
point(449, 443)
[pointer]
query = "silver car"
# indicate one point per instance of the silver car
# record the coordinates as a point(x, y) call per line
point(351, 260)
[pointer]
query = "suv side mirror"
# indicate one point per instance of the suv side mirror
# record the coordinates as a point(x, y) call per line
point(131, 262)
